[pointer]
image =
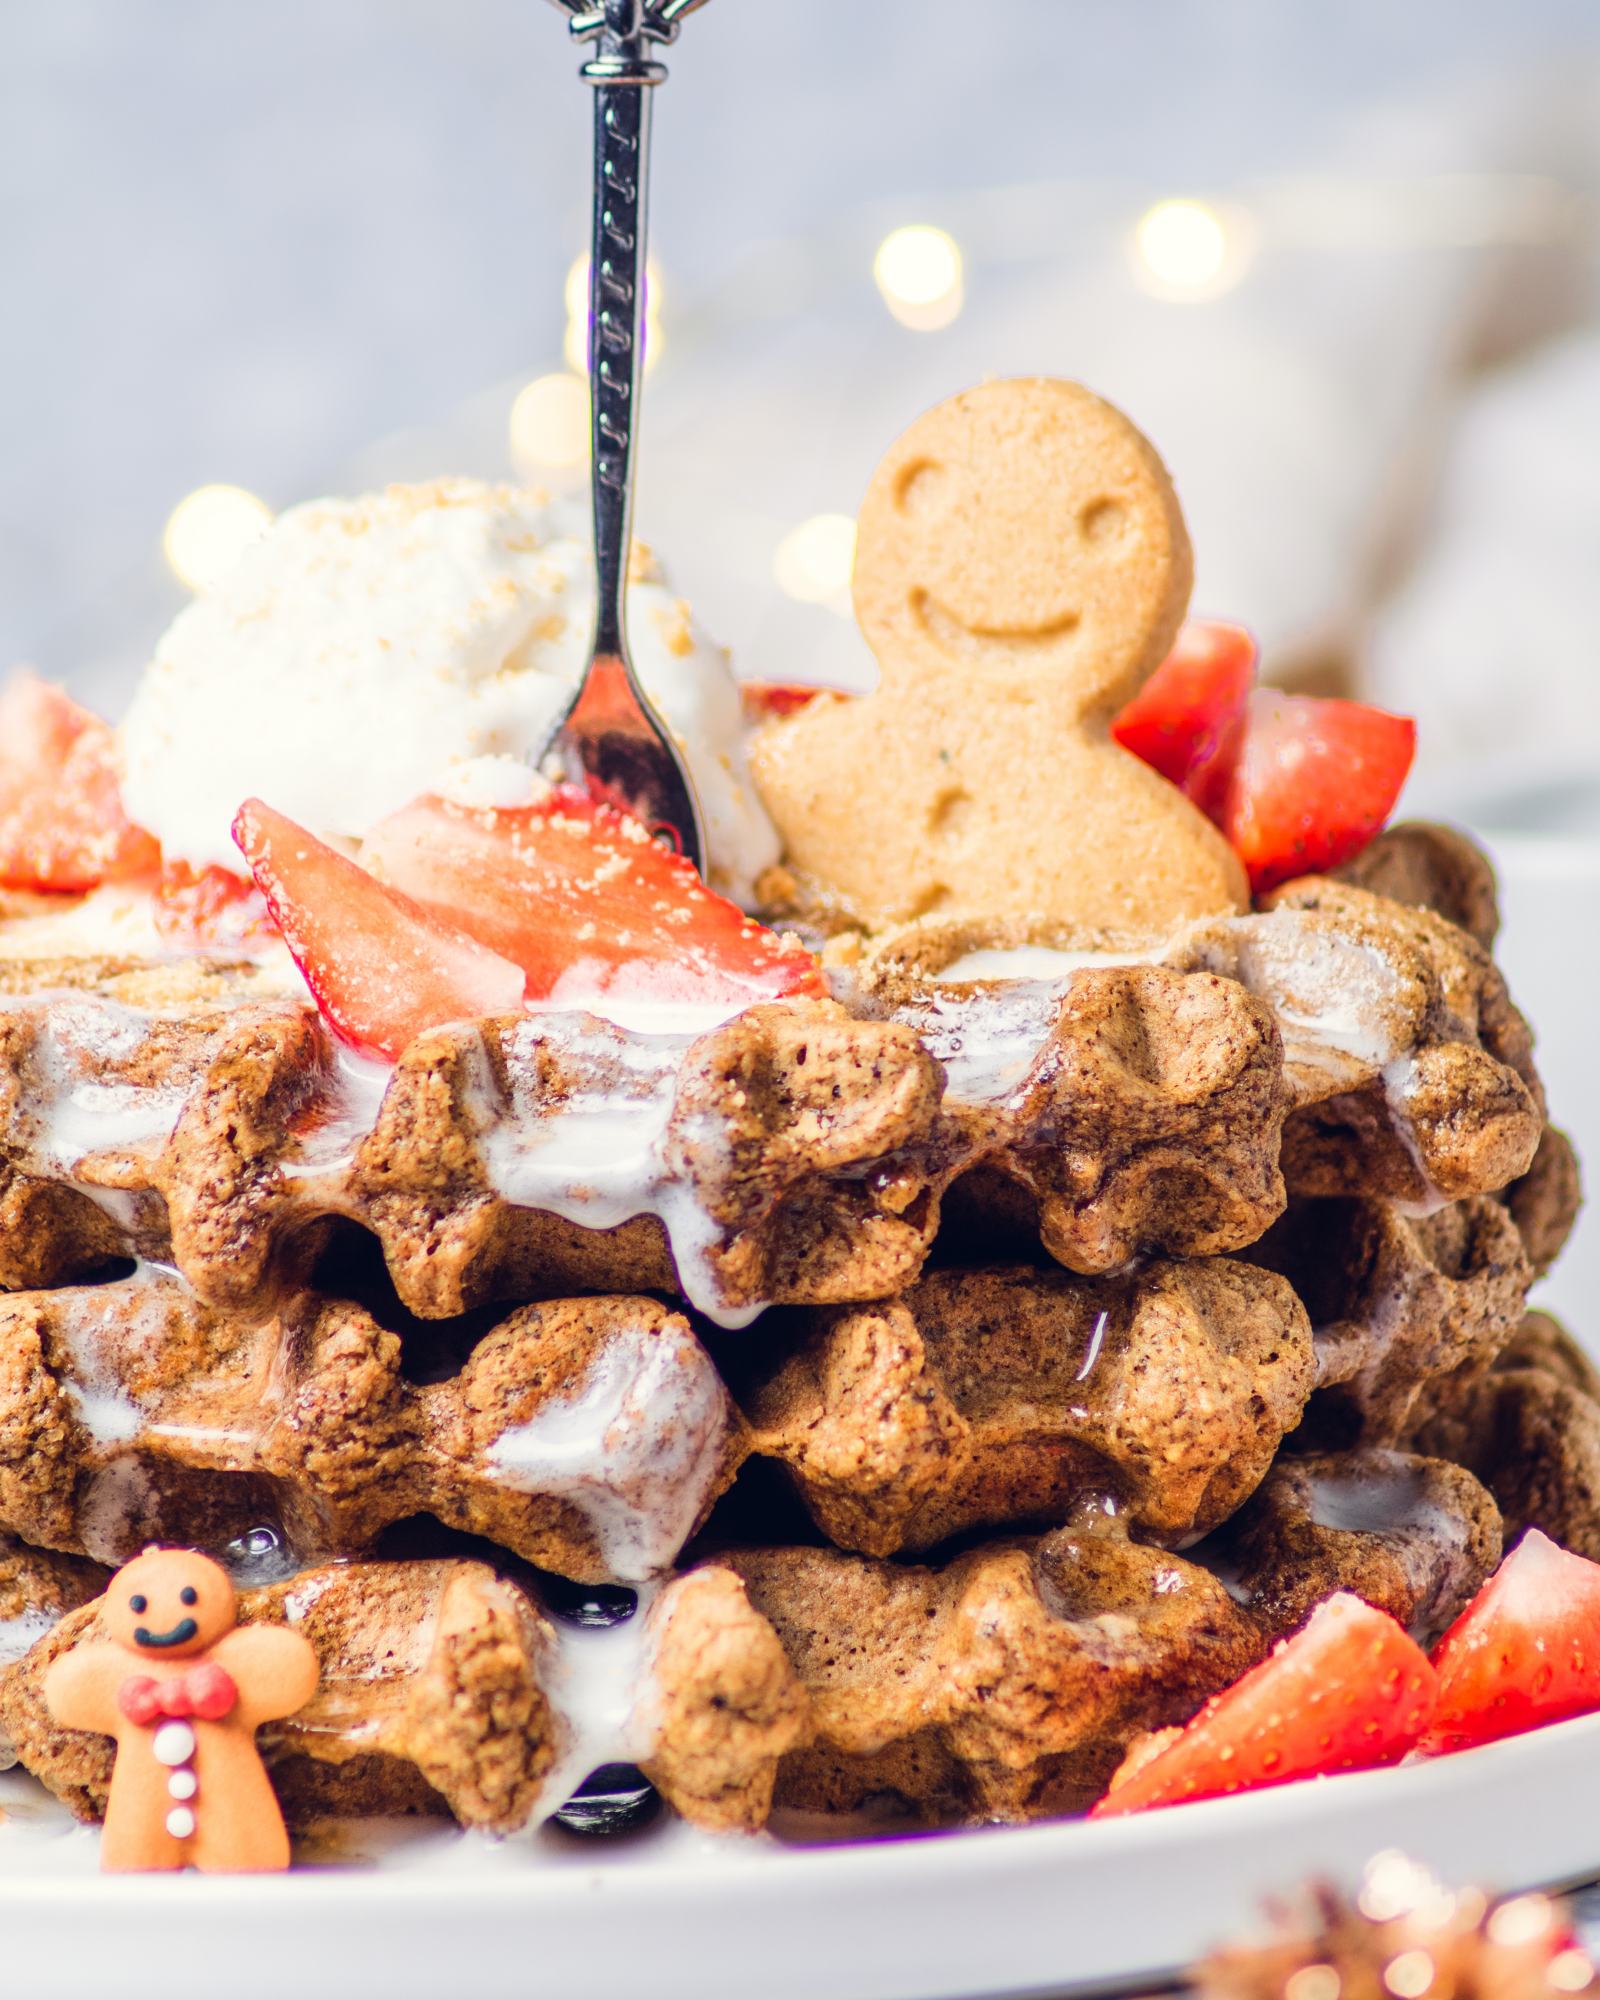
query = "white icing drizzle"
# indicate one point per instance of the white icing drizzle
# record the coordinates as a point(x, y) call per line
point(1384, 1494)
point(600, 1685)
point(1033, 961)
point(598, 1157)
point(635, 1449)
point(350, 1106)
point(18, 1635)
point(77, 1110)
point(988, 1041)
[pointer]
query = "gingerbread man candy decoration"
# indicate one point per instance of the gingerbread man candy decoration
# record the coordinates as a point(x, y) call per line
point(1021, 569)
point(182, 1688)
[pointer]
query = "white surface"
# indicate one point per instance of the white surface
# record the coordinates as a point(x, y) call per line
point(683, 1917)
point(1549, 951)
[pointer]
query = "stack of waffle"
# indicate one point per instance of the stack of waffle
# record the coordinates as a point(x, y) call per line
point(903, 1398)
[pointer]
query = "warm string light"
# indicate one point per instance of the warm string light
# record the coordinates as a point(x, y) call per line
point(919, 273)
point(1191, 250)
point(208, 531)
point(813, 562)
point(550, 424)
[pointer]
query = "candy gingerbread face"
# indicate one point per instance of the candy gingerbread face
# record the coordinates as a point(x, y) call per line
point(182, 1688)
point(1022, 568)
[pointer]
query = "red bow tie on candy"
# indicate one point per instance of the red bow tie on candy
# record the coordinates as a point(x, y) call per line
point(206, 1690)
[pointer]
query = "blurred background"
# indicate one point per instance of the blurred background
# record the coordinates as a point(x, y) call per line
point(1342, 263)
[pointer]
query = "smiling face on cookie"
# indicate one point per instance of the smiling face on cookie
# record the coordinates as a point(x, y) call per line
point(169, 1604)
point(1024, 527)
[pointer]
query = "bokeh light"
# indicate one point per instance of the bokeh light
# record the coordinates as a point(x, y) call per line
point(918, 270)
point(812, 563)
point(1191, 250)
point(208, 531)
point(550, 423)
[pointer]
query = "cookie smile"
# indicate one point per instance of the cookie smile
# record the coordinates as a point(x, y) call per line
point(961, 640)
point(175, 1635)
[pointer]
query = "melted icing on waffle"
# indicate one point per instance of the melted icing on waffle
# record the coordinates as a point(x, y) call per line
point(636, 1448)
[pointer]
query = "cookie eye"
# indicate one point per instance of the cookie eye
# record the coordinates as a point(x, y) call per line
point(137, 1604)
point(188, 1594)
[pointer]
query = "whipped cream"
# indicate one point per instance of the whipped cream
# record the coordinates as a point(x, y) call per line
point(365, 651)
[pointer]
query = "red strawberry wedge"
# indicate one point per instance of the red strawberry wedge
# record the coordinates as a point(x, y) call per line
point(1524, 1652)
point(588, 905)
point(1347, 1692)
point(1314, 782)
point(766, 700)
point(1187, 721)
point(210, 909)
point(382, 968)
point(62, 826)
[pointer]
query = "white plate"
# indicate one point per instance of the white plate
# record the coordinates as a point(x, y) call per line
point(1034, 1910)
point(946, 1917)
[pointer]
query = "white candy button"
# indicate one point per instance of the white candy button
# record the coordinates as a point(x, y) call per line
point(183, 1784)
point(180, 1822)
point(174, 1743)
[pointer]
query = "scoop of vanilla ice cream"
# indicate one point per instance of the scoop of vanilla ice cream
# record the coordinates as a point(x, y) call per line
point(364, 651)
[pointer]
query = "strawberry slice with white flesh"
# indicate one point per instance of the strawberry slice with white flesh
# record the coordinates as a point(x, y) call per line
point(1349, 1691)
point(1526, 1650)
point(382, 968)
point(590, 907)
point(62, 825)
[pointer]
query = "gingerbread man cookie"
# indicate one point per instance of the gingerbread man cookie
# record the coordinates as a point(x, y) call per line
point(182, 1688)
point(1021, 569)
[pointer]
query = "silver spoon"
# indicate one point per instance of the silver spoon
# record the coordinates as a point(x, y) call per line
point(611, 739)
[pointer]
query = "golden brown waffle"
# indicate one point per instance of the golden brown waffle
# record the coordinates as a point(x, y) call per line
point(1001, 1686)
point(1408, 1074)
point(445, 1689)
point(1007, 1683)
point(796, 1155)
point(132, 1412)
point(592, 1436)
point(1431, 867)
point(1529, 1428)
point(1396, 1301)
point(1015, 1395)
point(1415, 1536)
point(1004, 1684)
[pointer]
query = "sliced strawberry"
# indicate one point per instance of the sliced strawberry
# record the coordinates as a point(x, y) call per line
point(62, 826)
point(765, 699)
point(1524, 1652)
point(1316, 780)
point(1187, 721)
point(1348, 1691)
point(211, 908)
point(382, 968)
point(585, 902)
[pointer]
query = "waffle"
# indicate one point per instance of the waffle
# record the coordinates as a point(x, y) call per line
point(446, 1689)
point(1003, 1684)
point(592, 1436)
point(797, 1155)
point(1119, 1318)
point(1416, 1536)
point(131, 1412)
point(1529, 1427)
point(1396, 1301)
point(984, 1398)
point(1007, 1683)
